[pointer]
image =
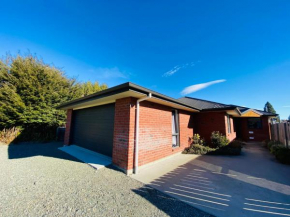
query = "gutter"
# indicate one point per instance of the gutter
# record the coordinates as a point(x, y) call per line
point(119, 89)
point(137, 131)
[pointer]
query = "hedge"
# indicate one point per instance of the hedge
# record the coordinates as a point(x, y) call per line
point(281, 153)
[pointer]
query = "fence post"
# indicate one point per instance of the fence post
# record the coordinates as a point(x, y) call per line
point(286, 134)
point(271, 132)
point(274, 133)
point(278, 137)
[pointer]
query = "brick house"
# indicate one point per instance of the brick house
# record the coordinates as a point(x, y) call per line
point(136, 126)
point(233, 121)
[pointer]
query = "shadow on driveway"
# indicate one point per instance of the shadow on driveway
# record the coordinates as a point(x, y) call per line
point(24, 150)
point(253, 184)
point(169, 205)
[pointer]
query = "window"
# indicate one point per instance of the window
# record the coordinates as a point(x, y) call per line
point(175, 129)
point(254, 123)
point(229, 124)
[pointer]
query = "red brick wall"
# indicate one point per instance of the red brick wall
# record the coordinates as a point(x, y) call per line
point(124, 133)
point(186, 125)
point(156, 132)
point(155, 138)
point(207, 122)
point(258, 134)
point(68, 127)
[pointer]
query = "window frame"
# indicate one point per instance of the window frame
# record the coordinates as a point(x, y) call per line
point(175, 117)
point(229, 124)
point(255, 128)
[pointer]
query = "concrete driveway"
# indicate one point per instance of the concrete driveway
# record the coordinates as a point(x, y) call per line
point(253, 184)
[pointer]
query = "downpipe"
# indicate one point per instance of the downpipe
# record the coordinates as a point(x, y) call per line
point(137, 131)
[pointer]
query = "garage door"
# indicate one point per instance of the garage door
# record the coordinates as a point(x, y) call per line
point(93, 128)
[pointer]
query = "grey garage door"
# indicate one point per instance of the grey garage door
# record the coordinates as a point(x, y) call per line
point(93, 128)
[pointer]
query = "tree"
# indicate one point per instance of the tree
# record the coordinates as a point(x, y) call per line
point(30, 90)
point(269, 108)
point(88, 88)
point(11, 105)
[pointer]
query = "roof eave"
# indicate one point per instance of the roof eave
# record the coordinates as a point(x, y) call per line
point(119, 89)
point(113, 90)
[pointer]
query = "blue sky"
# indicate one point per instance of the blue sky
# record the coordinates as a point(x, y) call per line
point(241, 47)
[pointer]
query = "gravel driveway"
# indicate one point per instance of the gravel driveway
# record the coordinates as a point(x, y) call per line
point(40, 180)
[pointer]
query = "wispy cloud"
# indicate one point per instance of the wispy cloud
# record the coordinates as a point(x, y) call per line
point(177, 68)
point(197, 87)
point(107, 73)
point(171, 71)
point(286, 106)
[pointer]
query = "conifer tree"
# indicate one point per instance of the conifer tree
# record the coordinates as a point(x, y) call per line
point(30, 90)
point(269, 108)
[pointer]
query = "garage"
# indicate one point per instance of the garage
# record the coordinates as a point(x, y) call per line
point(93, 128)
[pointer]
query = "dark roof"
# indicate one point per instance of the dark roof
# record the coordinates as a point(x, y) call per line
point(266, 113)
point(122, 88)
point(203, 104)
point(243, 109)
point(206, 105)
point(193, 103)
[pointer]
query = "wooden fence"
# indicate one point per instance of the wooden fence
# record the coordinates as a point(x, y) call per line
point(281, 132)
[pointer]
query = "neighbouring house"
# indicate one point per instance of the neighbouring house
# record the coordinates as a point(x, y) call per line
point(136, 126)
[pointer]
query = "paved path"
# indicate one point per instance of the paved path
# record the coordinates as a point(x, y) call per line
point(253, 184)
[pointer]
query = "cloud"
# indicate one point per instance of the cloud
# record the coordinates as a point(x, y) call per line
point(286, 106)
point(177, 68)
point(172, 71)
point(197, 87)
point(107, 73)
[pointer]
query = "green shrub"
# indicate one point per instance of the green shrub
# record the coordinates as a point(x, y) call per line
point(271, 143)
point(275, 147)
point(234, 148)
point(218, 140)
point(221, 146)
point(236, 144)
point(198, 149)
point(197, 140)
point(282, 154)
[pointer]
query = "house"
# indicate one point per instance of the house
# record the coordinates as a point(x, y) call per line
point(236, 122)
point(136, 126)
